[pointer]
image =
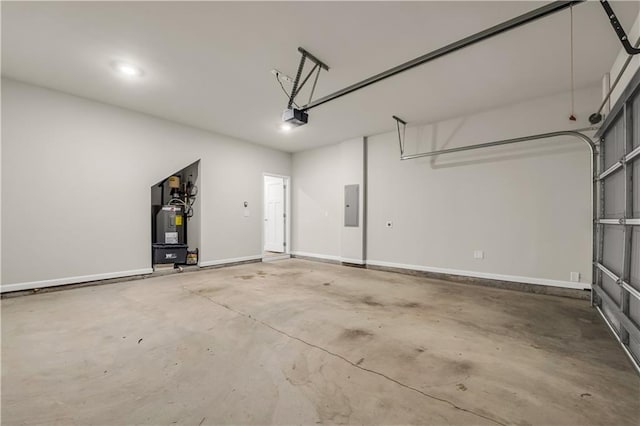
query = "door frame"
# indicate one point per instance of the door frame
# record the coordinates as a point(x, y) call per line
point(287, 219)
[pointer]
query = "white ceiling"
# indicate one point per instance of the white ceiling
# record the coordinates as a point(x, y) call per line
point(207, 63)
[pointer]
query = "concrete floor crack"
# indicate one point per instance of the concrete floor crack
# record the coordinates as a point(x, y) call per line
point(353, 364)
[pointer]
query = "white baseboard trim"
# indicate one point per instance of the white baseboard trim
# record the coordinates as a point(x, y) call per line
point(233, 260)
point(329, 257)
point(354, 261)
point(72, 280)
point(316, 255)
point(274, 258)
point(490, 276)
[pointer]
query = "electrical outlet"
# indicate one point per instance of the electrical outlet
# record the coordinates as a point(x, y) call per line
point(478, 254)
point(389, 224)
point(575, 277)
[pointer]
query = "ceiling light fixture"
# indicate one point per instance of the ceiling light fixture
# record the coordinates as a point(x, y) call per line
point(285, 127)
point(127, 69)
point(294, 117)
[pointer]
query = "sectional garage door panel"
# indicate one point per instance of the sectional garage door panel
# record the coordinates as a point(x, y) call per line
point(636, 184)
point(614, 142)
point(613, 248)
point(635, 254)
point(636, 121)
point(634, 310)
point(611, 288)
point(617, 237)
point(614, 196)
point(609, 312)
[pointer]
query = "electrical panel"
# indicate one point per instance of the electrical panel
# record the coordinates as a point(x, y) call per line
point(351, 205)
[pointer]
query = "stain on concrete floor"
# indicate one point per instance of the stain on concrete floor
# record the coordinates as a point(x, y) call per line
point(282, 347)
point(355, 333)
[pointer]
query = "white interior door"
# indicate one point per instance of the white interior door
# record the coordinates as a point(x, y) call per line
point(274, 209)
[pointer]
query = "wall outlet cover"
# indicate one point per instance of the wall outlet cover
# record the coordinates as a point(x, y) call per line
point(478, 254)
point(575, 277)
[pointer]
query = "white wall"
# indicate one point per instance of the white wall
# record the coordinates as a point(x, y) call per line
point(526, 206)
point(75, 187)
point(352, 172)
point(319, 177)
point(76, 177)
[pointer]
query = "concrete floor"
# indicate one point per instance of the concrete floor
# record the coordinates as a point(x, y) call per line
point(299, 342)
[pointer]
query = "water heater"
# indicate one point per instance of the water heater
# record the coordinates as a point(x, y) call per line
point(170, 225)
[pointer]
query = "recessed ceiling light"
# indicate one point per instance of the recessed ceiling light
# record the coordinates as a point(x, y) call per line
point(127, 69)
point(285, 127)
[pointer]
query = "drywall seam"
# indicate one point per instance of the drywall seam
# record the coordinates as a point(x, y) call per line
point(72, 280)
point(233, 260)
point(487, 275)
